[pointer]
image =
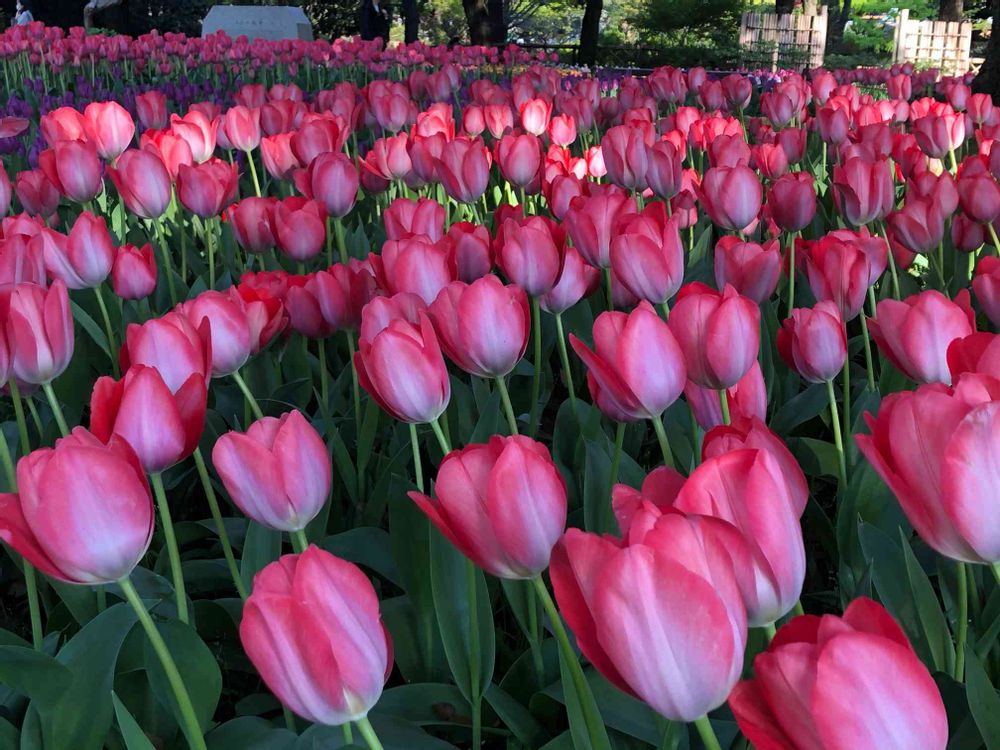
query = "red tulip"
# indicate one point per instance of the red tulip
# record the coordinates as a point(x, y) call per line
point(252, 223)
point(502, 504)
point(276, 153)
point(277, 472)
point(388, 159)
point(66, 493)
point(731, 196)
point(663, 173)
point(642, 613)
point(751, 432)
point(978, 194)
point(752, 269)
point(833, 124)
point(313, 631)
point(39, 329)
point(133, 275)
point(38, 194)
point(839, 270)
point(796, 698)
point(770, 159)
point(337, 296)
point(647, 256)
point(198, 130)
point(74, 168)
point(142, 182)
point(333, 180)
point(939, 134)
point(792, 200)
point(986, 285)
point(464, 169)
point(228, 326)
point(863, 190)
point(405, 218)
point(918, 225)
point(483, 326)
point(242, 127)
point(813, 342)
point(299, 227)
point(172, 149)
point(161, 426)
point(318, 135)
point(529, 255)
point(934, 447)
point(914, 334)
point(62, 124)
point(207, 188)
point(172, 345)
point(401, 367)
point(151, 107)
point(109, 128)
point(593, 220)
point(636, 365)
point(719, 333)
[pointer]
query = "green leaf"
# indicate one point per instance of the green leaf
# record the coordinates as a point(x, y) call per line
point(983, 700)
point(929, 612)
point(197, 666)
point(816, 457)
point(80, 719)
point(454, 583)
point(425, 704)
point(34, 674)
point(365, 545)
point(9, 736)
point(801, 408)
point(250, 733)
point(91, 327)
point(262, 547)
point(516, 717)
point(135, 738)
point(597, 514)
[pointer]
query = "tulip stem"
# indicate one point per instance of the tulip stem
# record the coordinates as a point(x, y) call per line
point(661, 436)
point(475, 657)
point(299, 541)
point(609, 289)
point(791, 273)
point(439, 434)
point(254, 406)
point(8, 464)
point(846, 416)
point(616, 462)
point(220, 525)
point(172, 551)
point(209, 237)
point(368, 732)
point(324, 376)
point(338, 230)
point(591, 714)
point(188, 715)
point(508, 409)
point(770, 631)
point(707, 734)
point(168, 270)
point(108, 332)
point(892, 264)
point(417, 465)
point(564, 357)
point(993, 236)
point(22, 425)
point(348, 733)
point(536, 383)
point(995, 567)
point(724, 404)
point(869, 363)
point(535, 639)
point(797, 610)
point(253, 173)
point(962, 598)
point(34, 610)
point(56, 409)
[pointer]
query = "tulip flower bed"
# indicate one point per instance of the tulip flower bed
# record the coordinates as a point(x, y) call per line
point(424, 398)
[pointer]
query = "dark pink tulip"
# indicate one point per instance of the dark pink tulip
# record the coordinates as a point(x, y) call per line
point(151, 107)
point(918, 225)
point(39, 196)
point(133, 275)
point(863, 190)
point(405, 218)
point(939, 134)
point(636, 363)
point(471, 250)
point(624, 150)
point(839, 270)
point(529, 256)
point(207, 188)
point(198, 130)
point(593, 220)
point(230, 330)
point(252, 220)
point(142, 182)
point(333, 180)
point(792, 200)
point(519, 157)
point(663, 174)
point(813, 342)
point(986, 285)
point(731, 196)
point(276, 153)
point(242, 127)
point(109, 127)
point(172, 345)
point(751, 268)
point(914, 334)
point(719, 333)
point(82, 260)
point(74, 168)
point(414, 265)
point(483, 326)
point(464, 169)
point(299, 227)
point(277, 472)
point(647, 256)
point(577, 279)
point(39, 330)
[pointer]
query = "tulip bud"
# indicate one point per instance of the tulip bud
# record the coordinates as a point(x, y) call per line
point(133, 275)
point(229, 328)
point(142, 182)
point(109, 127)
point(40, 332)
point(813, 342)
point(752, 269)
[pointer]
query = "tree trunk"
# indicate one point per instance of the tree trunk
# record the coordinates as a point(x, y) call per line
point(838, 14)
point(950, 10)
point(590, 32)
point(411, 21)
point(784, 7)
point(988, 80)
point(486, 21)
point(810, 7)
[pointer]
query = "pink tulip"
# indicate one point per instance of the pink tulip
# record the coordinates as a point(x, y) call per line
point(109, 128)
point(39, 329)
point(133, 275)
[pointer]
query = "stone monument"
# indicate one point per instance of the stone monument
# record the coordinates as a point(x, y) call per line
point(258, 22)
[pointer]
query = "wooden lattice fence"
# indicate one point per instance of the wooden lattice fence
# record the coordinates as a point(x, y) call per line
point(940, 44)
point(772, 40)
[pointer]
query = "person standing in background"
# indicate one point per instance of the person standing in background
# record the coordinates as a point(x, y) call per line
point(374, 20)
point(22, 14)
